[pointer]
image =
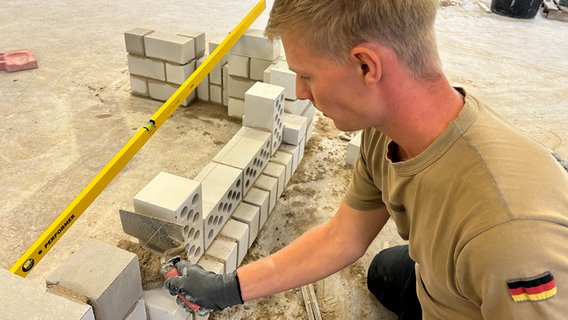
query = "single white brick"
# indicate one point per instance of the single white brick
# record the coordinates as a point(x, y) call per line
point(309, 111)
point(238, 232)
point(24, 299)
point(146, 67)
point(225, 252)
point(236, 108)
point(250, 215)
point(161, 305)
point(171, 198)
point(294, 151)
point(287, 160)
point(296, 106)
point(269, 184)
point(266, 73)
point(162, 91)
point(199, 41)
point(264, 109)
point(281, 75)
point(216, 75)
point(294, 128)
point(108, 276)
point(255, 45)
point(222, 192)
point(238, 87)
point(239, 66)
point(249, 154)
point(134, 40)
point(138, 312)
point(169, 47)
point(139, 85)
point(215, 94)
point(278, 171)
point(178, 73)
point(353, 149)
point(257, 67)
point(210, 264)
point(260, 199)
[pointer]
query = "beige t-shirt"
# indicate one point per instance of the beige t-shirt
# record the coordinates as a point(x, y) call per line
point(485, 211)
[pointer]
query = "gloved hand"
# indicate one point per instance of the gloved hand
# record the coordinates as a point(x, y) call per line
point(207, 289)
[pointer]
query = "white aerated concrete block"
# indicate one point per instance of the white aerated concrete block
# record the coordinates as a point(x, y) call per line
point(239, 66)
point(210, 264)
point(138, 312)
point(287, 160)
point(178, 73)
point(169, 47)
point(161, 305)
point(353, 149)
point(203, 86)
point(199, 41)
point(108, 276)
point(294, 128)
point(257, 67)
point(139, 85)
point(282, 76)
point(296, 106)
point(260, 199)
point(278, 171)
point(134, 40)
point(213, 44)
point(222, 192)
point(145, 67)
point(248, 151)
point(269, 184)
point(224, 251)
point(250, 215)
point(236, 108)
point(24, 299)
point(237, 87)
point(171, 198)
point(238, 232)
point(255, 45)
point(162, 91)
point(263, 109)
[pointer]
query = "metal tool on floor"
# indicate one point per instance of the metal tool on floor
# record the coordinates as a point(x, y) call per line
point(65, 220)
point(168, 270)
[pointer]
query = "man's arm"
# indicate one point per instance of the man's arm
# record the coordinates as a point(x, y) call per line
point(318, 253)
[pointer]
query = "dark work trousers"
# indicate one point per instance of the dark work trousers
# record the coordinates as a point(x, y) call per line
point(392, 279)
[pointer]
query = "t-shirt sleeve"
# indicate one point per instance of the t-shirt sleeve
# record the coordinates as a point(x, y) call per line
point(362, 193)
point(517, 270)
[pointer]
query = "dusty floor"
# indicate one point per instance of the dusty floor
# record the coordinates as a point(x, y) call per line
point(65, 120)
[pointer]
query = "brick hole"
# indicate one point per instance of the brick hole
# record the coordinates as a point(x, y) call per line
point(196, 217)
point(220, 207)
point(191, 250)
point(191, 233)
point(216, 220)
point(190, 215)
point(226, 206)
point(198, 251)
point(230, 206)
point(247, 183)
point(196, 235)
point(238, 196)
point(230, 194)
point(210, 220)
point(238, 183)
point(267, 145)
point(254, 172)
point(210, 235)
point(186, 232)
point(247, 171)
point(184, 212)
point(221, 221)
point(195, 199)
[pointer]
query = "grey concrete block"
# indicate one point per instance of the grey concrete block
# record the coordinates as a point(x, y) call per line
point(146, 67)
point(199, 41)
point(237, 87)
point(21, 298)
point(254, 44)
point(239, 66)
point(178, 73)
point(169, 47)
point(139, 85)
point(134, 40)
point(162, 91)
point(108, 276)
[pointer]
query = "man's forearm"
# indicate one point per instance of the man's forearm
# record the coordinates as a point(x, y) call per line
point(318, 253)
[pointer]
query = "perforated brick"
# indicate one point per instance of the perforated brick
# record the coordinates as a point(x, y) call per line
point(263, 109)
point(222, 187)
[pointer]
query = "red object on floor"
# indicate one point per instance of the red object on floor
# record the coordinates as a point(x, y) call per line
point(17, 60)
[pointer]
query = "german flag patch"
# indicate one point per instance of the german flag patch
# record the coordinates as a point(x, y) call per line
point(538, 288)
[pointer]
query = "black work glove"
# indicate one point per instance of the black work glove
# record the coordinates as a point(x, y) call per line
point(207, 289)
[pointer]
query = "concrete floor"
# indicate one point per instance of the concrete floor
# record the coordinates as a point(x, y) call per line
point(65, 120)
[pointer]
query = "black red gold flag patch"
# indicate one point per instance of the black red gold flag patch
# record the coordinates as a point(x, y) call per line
point(538, 288)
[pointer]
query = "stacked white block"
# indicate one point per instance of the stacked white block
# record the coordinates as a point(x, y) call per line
point(263, 109)
point(353, 149)
point(175, 199)
point(249, 151)
point(159, 62)
point(250, 56)
point(222, 187)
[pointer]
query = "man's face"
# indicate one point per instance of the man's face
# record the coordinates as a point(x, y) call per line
point(336, 89)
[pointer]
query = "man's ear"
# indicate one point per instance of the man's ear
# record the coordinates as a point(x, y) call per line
point(368, 61)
